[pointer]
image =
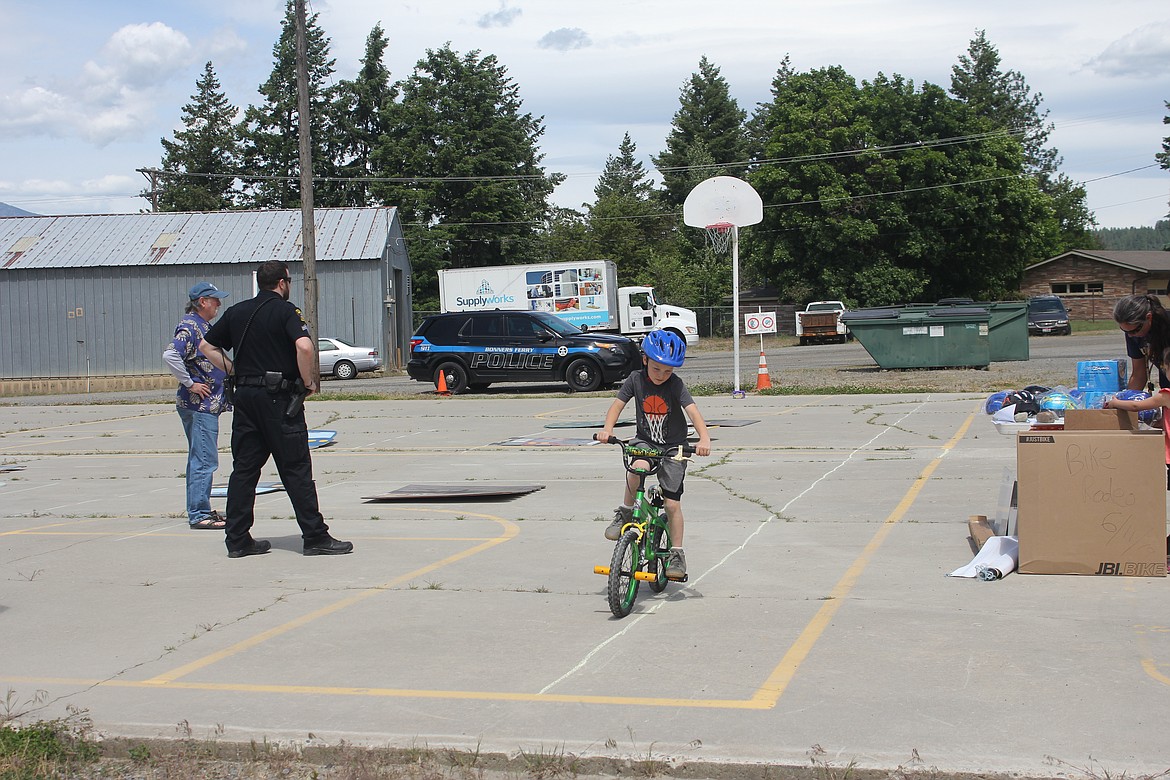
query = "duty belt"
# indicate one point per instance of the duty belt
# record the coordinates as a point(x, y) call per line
point(258, 381)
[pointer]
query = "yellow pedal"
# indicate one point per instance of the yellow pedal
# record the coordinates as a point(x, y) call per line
point(645, 576)
point(601, 570)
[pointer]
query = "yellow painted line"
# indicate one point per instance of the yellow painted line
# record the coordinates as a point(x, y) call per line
point(510, 532)
point(764, 698)
point(188, 535)
point(1152, 670)
point(773, 688)
point(404, 693)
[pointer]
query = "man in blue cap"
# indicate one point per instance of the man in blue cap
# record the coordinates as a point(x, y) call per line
point(200, 401)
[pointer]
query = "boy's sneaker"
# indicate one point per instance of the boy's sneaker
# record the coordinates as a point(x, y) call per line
point(676, 565)
point(621, 516)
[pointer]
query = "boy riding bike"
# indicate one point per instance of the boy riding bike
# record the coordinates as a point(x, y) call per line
point(662, 399)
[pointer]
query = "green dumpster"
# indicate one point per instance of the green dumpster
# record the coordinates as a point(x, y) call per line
point(1007, 330)
point(926, 337)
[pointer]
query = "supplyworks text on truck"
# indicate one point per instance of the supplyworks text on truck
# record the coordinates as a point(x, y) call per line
point(583, 293)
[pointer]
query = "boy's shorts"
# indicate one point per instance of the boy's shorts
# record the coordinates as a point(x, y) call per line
point(670, 472)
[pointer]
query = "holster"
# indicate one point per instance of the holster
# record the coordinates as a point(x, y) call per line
point(296, 403)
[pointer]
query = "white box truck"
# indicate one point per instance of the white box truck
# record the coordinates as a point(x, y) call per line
point(583, 293)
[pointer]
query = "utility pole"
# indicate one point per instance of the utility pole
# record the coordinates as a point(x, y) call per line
point(151, 175)
point(308, 232)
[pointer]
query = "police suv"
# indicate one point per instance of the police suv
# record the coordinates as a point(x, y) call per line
point(473, 349)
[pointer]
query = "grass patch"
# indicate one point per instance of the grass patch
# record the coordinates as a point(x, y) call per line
point(54, 748)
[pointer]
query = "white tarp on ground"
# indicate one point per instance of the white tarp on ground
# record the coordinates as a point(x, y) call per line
point(998, 554)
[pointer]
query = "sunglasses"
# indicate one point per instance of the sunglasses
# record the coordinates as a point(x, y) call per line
point(1131, 331)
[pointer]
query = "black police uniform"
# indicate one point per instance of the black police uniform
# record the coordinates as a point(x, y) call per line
point(259, 425)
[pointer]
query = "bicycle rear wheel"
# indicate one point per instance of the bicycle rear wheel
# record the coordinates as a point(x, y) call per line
point(623, 587)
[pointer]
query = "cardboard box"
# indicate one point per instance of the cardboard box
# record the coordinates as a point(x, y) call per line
point(1092, 502)
point(1100, 420)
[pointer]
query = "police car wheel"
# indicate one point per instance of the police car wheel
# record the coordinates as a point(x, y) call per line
point(583, 376)
point(456, 376)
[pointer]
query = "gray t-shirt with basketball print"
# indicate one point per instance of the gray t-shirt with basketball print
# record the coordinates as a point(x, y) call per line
point(659, 408)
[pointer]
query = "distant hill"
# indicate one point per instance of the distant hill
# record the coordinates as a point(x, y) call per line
point(1135, 238)
point(13, 211)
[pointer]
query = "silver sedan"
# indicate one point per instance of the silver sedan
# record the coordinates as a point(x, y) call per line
point(344, 360)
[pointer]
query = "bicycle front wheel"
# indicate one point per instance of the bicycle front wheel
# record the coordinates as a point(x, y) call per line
point(661, 541)
point(623, 587)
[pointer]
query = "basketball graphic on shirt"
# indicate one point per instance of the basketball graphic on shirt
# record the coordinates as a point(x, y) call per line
point(655, 410)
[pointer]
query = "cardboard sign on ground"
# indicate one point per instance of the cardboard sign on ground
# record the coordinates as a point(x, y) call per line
point(1092, 502)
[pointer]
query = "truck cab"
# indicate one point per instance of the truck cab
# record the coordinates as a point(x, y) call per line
point(640, 313)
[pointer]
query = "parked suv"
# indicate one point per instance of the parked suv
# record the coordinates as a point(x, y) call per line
point(474, 349)
point(1046, 314)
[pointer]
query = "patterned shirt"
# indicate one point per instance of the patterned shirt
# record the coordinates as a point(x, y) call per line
point(660, 417)
point(188, 333)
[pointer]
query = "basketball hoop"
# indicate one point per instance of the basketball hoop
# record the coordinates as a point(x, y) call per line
point(719, 236)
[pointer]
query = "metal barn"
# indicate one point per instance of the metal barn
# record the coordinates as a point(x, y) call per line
point(100, 295)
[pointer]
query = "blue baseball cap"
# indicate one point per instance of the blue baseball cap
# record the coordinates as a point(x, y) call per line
point(206, 290)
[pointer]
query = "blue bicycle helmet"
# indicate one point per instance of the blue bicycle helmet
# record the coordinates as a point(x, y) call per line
point(664, 347)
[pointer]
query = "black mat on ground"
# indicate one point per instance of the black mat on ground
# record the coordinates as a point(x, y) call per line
point(586, 424)
point(4, 469)
point(545, 441)
point(443, 491)
point(220, 491)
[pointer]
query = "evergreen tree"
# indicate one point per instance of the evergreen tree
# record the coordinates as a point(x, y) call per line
point(1163, 157)
point(1007, 101)
point(710, 118)
point(626, 223)
point(270, 131)
point(208, 146)
point(359, 118)
point(479, 194)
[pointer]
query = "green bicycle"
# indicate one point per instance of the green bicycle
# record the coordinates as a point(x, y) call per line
point(641, 552)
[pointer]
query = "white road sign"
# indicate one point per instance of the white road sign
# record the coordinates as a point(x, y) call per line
point(761, 322)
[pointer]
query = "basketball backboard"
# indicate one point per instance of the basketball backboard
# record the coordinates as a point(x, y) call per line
point(723, 200)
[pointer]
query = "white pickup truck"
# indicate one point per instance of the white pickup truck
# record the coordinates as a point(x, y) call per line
point(820, 322)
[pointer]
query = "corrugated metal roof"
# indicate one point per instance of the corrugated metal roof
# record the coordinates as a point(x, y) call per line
point(189, 238)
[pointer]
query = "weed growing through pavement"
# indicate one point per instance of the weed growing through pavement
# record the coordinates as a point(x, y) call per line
point(1095, 771)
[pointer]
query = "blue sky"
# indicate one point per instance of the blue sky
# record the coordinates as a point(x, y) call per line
point(89, 89)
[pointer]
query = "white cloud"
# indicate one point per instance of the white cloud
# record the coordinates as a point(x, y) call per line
point(501, 18)
point(565, 39)
point(143, 55)
point(112, 97)
point(1142, 53)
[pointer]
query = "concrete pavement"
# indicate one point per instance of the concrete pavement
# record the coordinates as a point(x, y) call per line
point(817, 611)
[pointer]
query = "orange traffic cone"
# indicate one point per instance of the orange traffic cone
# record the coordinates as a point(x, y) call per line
point(763, 381)
point(441, 389)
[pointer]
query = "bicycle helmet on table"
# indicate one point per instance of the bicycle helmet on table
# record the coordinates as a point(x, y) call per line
point(664, 347)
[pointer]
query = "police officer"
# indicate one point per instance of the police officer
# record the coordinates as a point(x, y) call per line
point(273, 372)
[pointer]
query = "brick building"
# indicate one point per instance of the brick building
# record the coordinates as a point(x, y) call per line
point(1090, 281)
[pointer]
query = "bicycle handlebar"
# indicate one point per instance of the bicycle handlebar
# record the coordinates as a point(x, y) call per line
point(682, 449)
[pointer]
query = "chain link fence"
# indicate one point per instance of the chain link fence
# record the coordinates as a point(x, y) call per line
point(713, 321)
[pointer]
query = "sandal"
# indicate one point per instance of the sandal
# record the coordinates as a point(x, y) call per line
point(212, 522)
